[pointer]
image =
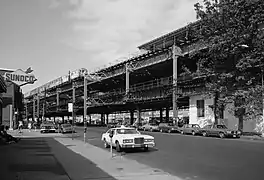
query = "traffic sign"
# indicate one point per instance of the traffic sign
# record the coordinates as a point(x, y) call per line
point(70, 107)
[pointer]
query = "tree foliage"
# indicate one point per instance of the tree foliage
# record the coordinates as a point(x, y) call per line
point(233, 33)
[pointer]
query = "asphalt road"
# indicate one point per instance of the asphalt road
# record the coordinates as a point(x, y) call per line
point(196, 158)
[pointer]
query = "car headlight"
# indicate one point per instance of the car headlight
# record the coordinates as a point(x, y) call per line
point(127, 140)
point(149, 140)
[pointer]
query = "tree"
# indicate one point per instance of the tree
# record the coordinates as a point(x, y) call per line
point(231, 30)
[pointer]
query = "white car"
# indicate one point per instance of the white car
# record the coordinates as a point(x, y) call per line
point(66, 128)
point(126, 137)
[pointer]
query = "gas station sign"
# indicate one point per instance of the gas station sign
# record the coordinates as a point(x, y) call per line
point(20, 77)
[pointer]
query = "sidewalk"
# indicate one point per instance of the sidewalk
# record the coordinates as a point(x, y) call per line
point(43, 158)
point(30, 159)
point(117, 166)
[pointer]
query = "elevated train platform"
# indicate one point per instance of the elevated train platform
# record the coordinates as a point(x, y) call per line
point(141, 83)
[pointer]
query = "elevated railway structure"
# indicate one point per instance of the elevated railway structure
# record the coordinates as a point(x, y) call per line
point(153, 80)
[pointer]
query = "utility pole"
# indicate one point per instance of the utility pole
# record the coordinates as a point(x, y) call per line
point(176, 52)
point(73, 105)
point(85, 107)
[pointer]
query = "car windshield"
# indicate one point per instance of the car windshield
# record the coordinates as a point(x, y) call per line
point(127, 131)
point(221, 127)
point(66, 125)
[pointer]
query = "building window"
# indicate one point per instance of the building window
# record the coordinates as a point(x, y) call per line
point(200, 108)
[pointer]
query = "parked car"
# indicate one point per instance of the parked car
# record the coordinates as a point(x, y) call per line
point(66, 128)
point(125, 137)
point(47, 128)
point(168, 127)
point(219, 130)
point(193, 129)
point(150, 127)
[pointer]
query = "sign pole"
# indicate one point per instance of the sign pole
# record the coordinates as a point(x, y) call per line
point(111, 146)
point(73, 105)
point(85, 108)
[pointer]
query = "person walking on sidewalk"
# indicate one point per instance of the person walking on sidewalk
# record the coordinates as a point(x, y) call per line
point(20, 126)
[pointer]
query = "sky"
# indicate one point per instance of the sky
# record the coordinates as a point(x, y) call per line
point(57, 36)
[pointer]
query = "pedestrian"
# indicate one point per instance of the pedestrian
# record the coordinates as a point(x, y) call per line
point(20, 126)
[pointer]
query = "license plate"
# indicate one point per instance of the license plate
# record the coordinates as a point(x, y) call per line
point(234, 136)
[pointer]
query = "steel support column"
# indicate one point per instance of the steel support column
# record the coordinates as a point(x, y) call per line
point(262, 86)
point(161, 115)
point(26, 110)
point(43, 112)
point(102, 119)
point(107, 118)
point(73, 103)
point(38, 107)
point(139, 115)
point(58, 98)
point(34, 109)
point(11, 117)
point(131, 117)
point(176, 52)
point(127, 79)
point(167, 114)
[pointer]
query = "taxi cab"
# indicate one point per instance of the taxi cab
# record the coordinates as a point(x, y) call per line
point(127, 137)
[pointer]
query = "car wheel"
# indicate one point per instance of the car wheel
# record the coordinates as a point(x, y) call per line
point(118, 147)
point(221, 135)
point(161, 130)
point(41, 132)
point(106, 145)
point(204, 134)
point(146, 148)
point(193, 133)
